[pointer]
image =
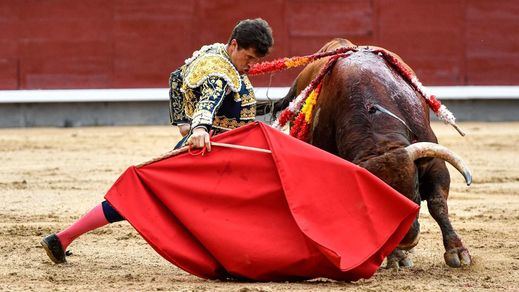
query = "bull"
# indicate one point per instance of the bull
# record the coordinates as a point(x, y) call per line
point(369, 115)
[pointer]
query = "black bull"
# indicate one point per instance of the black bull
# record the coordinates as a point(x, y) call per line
point(368, 114)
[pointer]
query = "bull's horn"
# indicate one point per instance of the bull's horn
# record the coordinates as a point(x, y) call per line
point(427, 149)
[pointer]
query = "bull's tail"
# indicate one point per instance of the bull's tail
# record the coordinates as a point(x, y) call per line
point(285, 101)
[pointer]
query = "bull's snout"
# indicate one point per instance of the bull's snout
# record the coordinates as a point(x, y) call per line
point(412, 237)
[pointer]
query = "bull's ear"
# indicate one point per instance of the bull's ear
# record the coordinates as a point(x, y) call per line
point(394, 158)
point(396, 169)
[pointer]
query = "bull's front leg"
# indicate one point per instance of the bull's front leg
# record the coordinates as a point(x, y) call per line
point(456, 255)
point(434, 188)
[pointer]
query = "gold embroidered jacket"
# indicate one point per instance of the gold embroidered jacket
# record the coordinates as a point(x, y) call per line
point(208, 91)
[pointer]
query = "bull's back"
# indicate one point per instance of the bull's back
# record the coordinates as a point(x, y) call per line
point(365, 79)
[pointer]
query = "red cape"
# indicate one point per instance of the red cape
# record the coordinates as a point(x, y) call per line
point(298, 213)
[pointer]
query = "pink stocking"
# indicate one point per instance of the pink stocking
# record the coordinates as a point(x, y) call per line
point(92, 220)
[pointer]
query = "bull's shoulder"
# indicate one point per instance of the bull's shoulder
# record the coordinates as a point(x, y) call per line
point(394, 55)
point(335, 44)
point(309, 73)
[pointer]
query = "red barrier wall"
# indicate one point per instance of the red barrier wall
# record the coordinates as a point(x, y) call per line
point(136, 43)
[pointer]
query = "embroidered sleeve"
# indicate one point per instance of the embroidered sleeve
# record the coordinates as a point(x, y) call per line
point(177, 113)
point(212, 93)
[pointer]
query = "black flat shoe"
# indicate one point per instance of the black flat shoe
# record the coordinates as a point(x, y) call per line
point(52, 246)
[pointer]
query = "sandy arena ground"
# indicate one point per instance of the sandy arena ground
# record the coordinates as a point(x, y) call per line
point(49, 177)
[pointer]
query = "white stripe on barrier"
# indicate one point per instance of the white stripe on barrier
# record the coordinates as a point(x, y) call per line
point(262, 93)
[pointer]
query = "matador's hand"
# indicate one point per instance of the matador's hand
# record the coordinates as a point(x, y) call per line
point(184, 129)
point(200, 138)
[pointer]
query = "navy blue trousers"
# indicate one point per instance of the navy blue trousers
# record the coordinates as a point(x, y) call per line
point(110, 214)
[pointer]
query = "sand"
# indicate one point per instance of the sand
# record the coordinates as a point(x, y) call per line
point(49, 177)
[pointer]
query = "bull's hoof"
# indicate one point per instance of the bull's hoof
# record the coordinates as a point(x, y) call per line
point(407, 262)
point(392, 264)
point(457, 257)
point(399, 259)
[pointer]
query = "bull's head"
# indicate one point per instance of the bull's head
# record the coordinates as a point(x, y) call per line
point(398, 168)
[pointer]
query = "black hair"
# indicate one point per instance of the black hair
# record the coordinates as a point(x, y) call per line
point(255, 33)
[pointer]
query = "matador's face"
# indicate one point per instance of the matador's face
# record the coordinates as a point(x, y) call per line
point(242, 58)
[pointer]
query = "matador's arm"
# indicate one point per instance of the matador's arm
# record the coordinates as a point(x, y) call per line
point(213, 91)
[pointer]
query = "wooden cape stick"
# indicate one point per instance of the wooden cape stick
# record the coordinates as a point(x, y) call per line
point(186, 148)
